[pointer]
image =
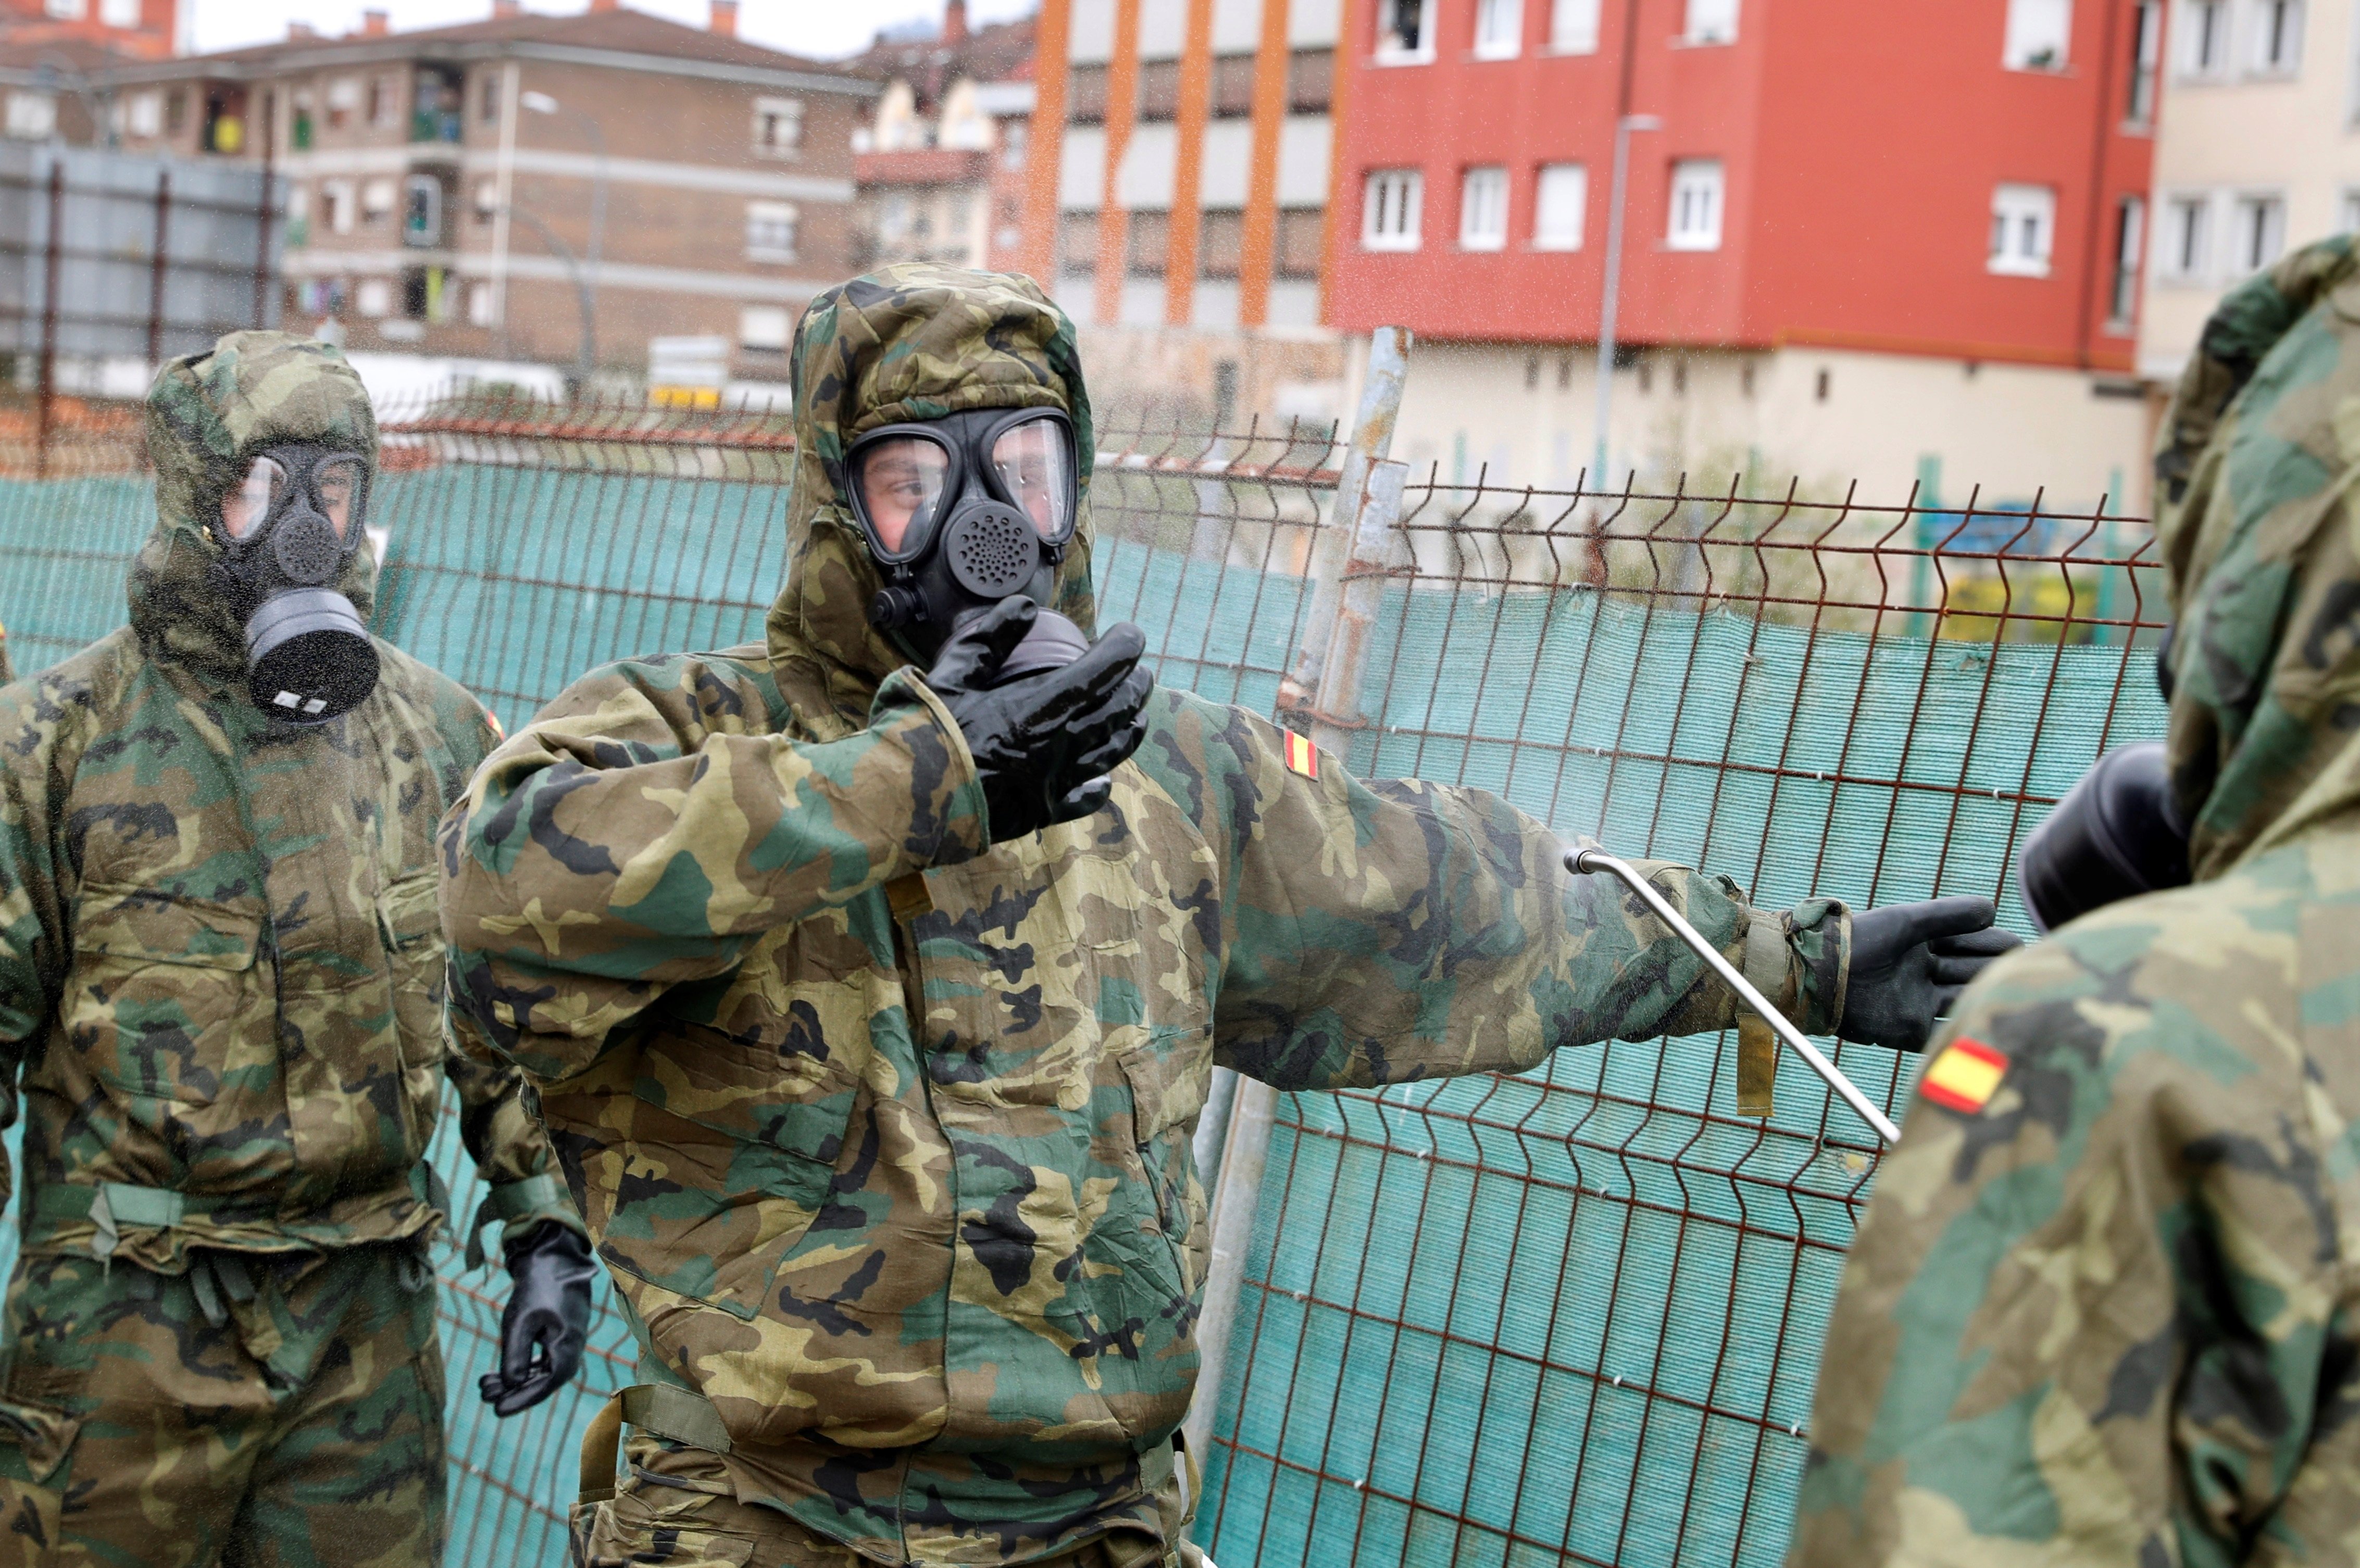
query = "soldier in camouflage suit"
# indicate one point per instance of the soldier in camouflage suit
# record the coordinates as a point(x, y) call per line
point(2111, 1314)
point(7, 671)
point(221, 982)
point(882, 1126)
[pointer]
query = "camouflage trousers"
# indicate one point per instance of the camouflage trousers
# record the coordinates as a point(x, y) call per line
point(303, 1430)
point(677, 1509)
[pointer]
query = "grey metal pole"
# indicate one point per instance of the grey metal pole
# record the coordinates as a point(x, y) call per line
point(1372, 439)
point(597, 245)
point(1235, 1201)
point(1582, 862)
point(581, 288)
point(1611, 303)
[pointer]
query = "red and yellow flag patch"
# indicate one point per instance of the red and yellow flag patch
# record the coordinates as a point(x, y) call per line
point(1965, 1076)
point(1302, 756)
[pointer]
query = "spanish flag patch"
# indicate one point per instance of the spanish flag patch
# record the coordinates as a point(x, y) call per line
point(1302, 756)
point(1965, 1076)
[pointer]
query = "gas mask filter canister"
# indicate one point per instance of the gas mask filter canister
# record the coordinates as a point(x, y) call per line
point(287, 532)
point(963, 512)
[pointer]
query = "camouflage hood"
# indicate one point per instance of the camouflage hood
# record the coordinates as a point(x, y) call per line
point(2261, 444)
point(909, 342)
point(208, 415)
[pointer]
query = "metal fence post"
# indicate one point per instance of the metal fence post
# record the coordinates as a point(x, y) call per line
point(45, 410)
point(157, 269)
point(1348, 562)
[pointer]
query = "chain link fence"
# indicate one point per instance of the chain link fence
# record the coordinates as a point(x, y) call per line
point(1568, 1317)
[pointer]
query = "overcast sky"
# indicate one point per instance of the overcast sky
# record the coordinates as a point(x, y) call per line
point(821, 28)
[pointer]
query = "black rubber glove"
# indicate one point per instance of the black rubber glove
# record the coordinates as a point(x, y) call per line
point(1043, 744)
point(549, 1268)
point(1909, 961)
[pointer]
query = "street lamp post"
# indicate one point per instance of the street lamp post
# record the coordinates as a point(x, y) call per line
point(1613, 296)
point(543, 103)
point(582, 292)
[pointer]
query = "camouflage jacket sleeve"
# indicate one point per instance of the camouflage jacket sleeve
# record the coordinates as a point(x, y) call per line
point(1380, 930)
point(33, 939)
point(2103, 1307)
point(646, 828)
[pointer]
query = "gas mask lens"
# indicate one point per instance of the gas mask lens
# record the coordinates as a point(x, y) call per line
point(900, 482)
point(336, 488)
point(244, 508)
point(1034, 461)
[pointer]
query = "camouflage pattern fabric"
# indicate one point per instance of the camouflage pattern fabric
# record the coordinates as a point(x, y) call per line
point(222, 973)
point(305, 1432)
point(2107, 1310)
point(883, 1135)
point(7, 671)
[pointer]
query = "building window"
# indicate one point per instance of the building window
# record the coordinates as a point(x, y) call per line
point(482, 300)
point(1078, 241)
point(64, 10)
point(299, 216)
point(1499, 28)
point(144, 116)
point(377, 201)
point(2024, 224)
point(31, 116)
point(343, 102)
point(1405, 34)
point(1233, 77)
point(1560, 201)
point(764, 328)
point(1147, 244)
point(1389, 209)
point(777, 126)
point(1302, 235)
point(487, 97)
point(1483, 209)
point(421, 212)
point(2037, 31)
point(2205, 38)
point(176, 110)
point(2258, 233)
point(375, 298)
point(1015, 136)
point(2146, 55)
point(1695, 205)
point(2278, 37)
point(771, 231)
point(1573, 27)
point(1712, 22)
point(2187, 253)
point(1220, 244)
point(2130, 235)
point(1311, 79)
point(384, 100)
point(119, 13)
point(336, 197)
point(487, 200)
point(298, 128)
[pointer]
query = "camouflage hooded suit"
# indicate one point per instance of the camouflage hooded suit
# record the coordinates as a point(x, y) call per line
point(221, 981)
point(882, 1129)
point(2112, 1315)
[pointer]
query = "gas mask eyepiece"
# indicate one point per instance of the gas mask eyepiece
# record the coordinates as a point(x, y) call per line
point(962, 512)
point(289, 530)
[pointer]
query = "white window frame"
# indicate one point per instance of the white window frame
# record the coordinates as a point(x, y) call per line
point(2196, 64)
point(1483, 207)
point(2248, 208)
point(63, 10)
point(2147, 63)
point(483, 302)
point(32, 117)
point(377, 298)
point(1551, 184)
point(2129, 261)
point(2279, 23)
point(2184, 251)
point(2039, 35)
point(145, 115)
point(1698, 204)
point(1573, 27)
point(765, 223)
point(378, 199)
point(1388, 52)
point(337, 201)
point(1391, 209)
point(1499, 29)
point(766, 318)
point(118, 13)
point(2009, 255)
point(788, 113)
point(1709, 22)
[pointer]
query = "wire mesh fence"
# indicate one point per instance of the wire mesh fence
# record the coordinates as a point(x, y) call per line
point(1571, 1316)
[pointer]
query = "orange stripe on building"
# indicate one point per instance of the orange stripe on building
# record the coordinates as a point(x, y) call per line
point(1044, 150)
point(1340, 76)
point(1965, 1076)
point(1258, 249)
point(1122, 112)
point(1189, 168)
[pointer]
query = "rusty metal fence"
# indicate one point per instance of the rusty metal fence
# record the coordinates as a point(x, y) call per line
point(1568, 1317)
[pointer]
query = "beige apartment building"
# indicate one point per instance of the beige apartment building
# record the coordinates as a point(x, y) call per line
point(940, 164)
point(454, 191)
point(2258, 150)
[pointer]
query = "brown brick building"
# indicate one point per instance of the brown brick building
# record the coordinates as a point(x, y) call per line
point(144, 29)
point(444, 183)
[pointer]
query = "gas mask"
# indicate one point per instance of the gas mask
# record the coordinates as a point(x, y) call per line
point(288, 531)
point(962, 512)
point(2117, 833)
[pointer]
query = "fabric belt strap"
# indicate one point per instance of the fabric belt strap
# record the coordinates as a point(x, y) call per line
point(1767, 965)
point(662, 1409)
point(509, 1201)
point(112, 1206)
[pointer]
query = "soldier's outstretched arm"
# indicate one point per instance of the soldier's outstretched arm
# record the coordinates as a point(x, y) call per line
point(1377, 931)
point(32, 902)
point(641, 832)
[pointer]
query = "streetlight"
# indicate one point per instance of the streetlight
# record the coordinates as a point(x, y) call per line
point(1623, 129)
point(543, 103)
point(587, 356)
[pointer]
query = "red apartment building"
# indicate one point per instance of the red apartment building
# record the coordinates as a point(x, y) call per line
point(144, 29)
point(1862, 239)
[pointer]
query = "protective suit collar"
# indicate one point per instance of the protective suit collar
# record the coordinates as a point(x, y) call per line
point(209, 415)
point(910, 341)
point(2257, 468)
